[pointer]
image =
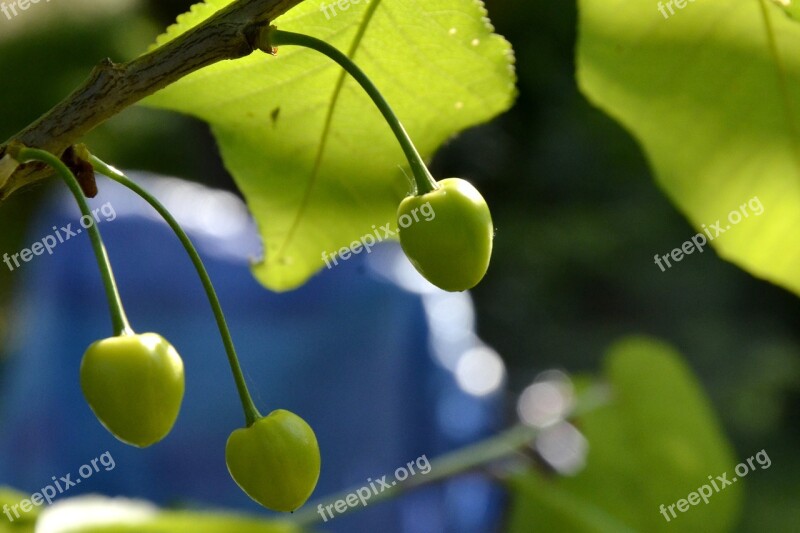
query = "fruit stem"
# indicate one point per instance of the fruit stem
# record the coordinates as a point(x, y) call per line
point(479, 455)
point(423, 181)
point(251, 413)
point(118, 318)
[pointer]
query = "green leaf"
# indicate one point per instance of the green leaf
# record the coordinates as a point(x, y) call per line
point(715, 107)
point(315, 188)
point(656, 442)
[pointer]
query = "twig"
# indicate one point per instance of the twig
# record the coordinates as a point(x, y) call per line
point(231, 33)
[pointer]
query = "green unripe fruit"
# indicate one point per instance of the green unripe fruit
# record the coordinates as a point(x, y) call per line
point(452, 249)
point(275, 461)
point(134, 384)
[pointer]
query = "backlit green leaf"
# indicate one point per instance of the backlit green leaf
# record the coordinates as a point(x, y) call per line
point(315, 186)
point(710, 91)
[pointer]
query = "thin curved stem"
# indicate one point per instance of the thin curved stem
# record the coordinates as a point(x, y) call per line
point(423, 180)
point(250, 411)
point(118, 318)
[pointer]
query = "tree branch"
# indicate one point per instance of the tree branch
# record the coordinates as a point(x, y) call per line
point(231, 33)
